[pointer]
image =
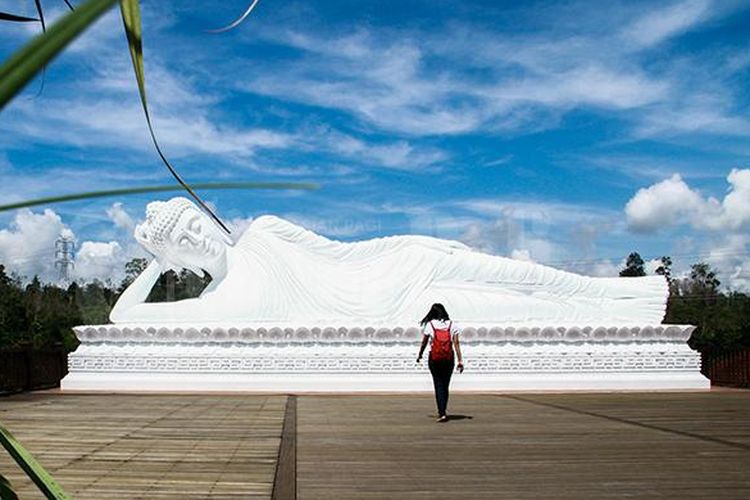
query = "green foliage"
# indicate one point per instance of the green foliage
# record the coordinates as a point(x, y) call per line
point(42, 315)
point(156, 189)
point(633, 266)
point(23, 65)
point(722, 319)
point(132, 269)
point(6, 490)
point(12, 309)
point(44, 481)
point(172, 286)
point(36, 315)
point(665, 268)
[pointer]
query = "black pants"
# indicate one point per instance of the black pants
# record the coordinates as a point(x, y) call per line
point(441, 378)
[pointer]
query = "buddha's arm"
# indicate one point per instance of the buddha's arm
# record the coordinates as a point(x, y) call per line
point(136, 293)
point(167, 312)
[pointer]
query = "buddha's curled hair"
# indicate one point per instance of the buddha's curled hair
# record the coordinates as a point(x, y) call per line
point(161, 218)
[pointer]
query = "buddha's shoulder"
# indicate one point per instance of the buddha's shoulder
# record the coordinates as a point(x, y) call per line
point(274, 226)
point(270, 222)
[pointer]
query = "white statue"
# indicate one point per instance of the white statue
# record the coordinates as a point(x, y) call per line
point(280, 273)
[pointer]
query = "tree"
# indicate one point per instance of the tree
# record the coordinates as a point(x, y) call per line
point(703, 280)
point(33, 307)
point(13, 321)
point(665, 268)
point(633, 266)
point(132, 269)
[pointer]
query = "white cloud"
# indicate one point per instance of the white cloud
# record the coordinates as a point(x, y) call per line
point(731, 259)
point(506, 236)
point(736, 204)
point(524, 255)
point(463, 79)
point(103, 110)
point(585, 85)
point(672, 202)
point(537, 212)
point(663, 23)
point(388, 82)
point(661, 205)
point(120, 217)
point(693, 115)
point(392, 154)
point(381, 82)
point(109, 122)
point(604, 269)
point(100, 260)
point(27, 247)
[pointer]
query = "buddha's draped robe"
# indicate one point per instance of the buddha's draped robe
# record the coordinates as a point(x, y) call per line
point(282, 273)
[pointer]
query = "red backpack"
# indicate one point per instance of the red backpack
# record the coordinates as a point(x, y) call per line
point(442, 347)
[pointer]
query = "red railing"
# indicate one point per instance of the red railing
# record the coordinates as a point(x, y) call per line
point(731, 368)
point(29, 369)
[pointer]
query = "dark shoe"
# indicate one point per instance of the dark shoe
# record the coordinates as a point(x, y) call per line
point(443, 418)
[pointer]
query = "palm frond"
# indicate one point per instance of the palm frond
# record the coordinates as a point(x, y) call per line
point(6, 16)
point(31, 467)
point(27, 62)
point(131, 18)
point(237, 21)
point(155, 189)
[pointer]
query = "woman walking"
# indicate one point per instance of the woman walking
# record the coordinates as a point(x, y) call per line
point(438, 328)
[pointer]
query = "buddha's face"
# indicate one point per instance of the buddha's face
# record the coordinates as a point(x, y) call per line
point(195, 242)
point(181, 236)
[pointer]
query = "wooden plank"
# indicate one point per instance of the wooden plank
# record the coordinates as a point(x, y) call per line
point(568, 446)
point(285, 481)
point(148, 446)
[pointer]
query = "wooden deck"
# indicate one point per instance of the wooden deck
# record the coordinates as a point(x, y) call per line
point(515, 446)
point(149, 447)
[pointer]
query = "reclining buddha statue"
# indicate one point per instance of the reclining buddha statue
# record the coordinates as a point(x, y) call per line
point(280, 273)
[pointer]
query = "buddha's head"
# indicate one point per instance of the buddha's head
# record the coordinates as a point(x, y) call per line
point(180, 236)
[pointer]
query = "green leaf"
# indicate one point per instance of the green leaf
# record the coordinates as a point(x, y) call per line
point(237, 21)
point(24, 64)
point(4, 16)
point(31, 467)
point(39, 11)
point(6, 490)
point(131, 18)
point(154, 189)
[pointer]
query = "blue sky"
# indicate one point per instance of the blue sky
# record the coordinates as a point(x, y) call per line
point(569, 133)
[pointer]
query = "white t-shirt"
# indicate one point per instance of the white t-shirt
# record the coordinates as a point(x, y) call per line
point(429, 331)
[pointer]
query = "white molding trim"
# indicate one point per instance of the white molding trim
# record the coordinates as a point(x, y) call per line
point(253, 334)
point(242, 358)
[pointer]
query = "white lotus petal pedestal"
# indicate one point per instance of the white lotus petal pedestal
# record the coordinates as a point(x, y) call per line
point(219, 357)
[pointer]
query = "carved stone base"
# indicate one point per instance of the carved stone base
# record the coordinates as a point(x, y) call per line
point(380, 382)
point(371, 359)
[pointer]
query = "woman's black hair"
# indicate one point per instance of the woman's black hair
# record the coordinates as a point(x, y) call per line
point(437, 311)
